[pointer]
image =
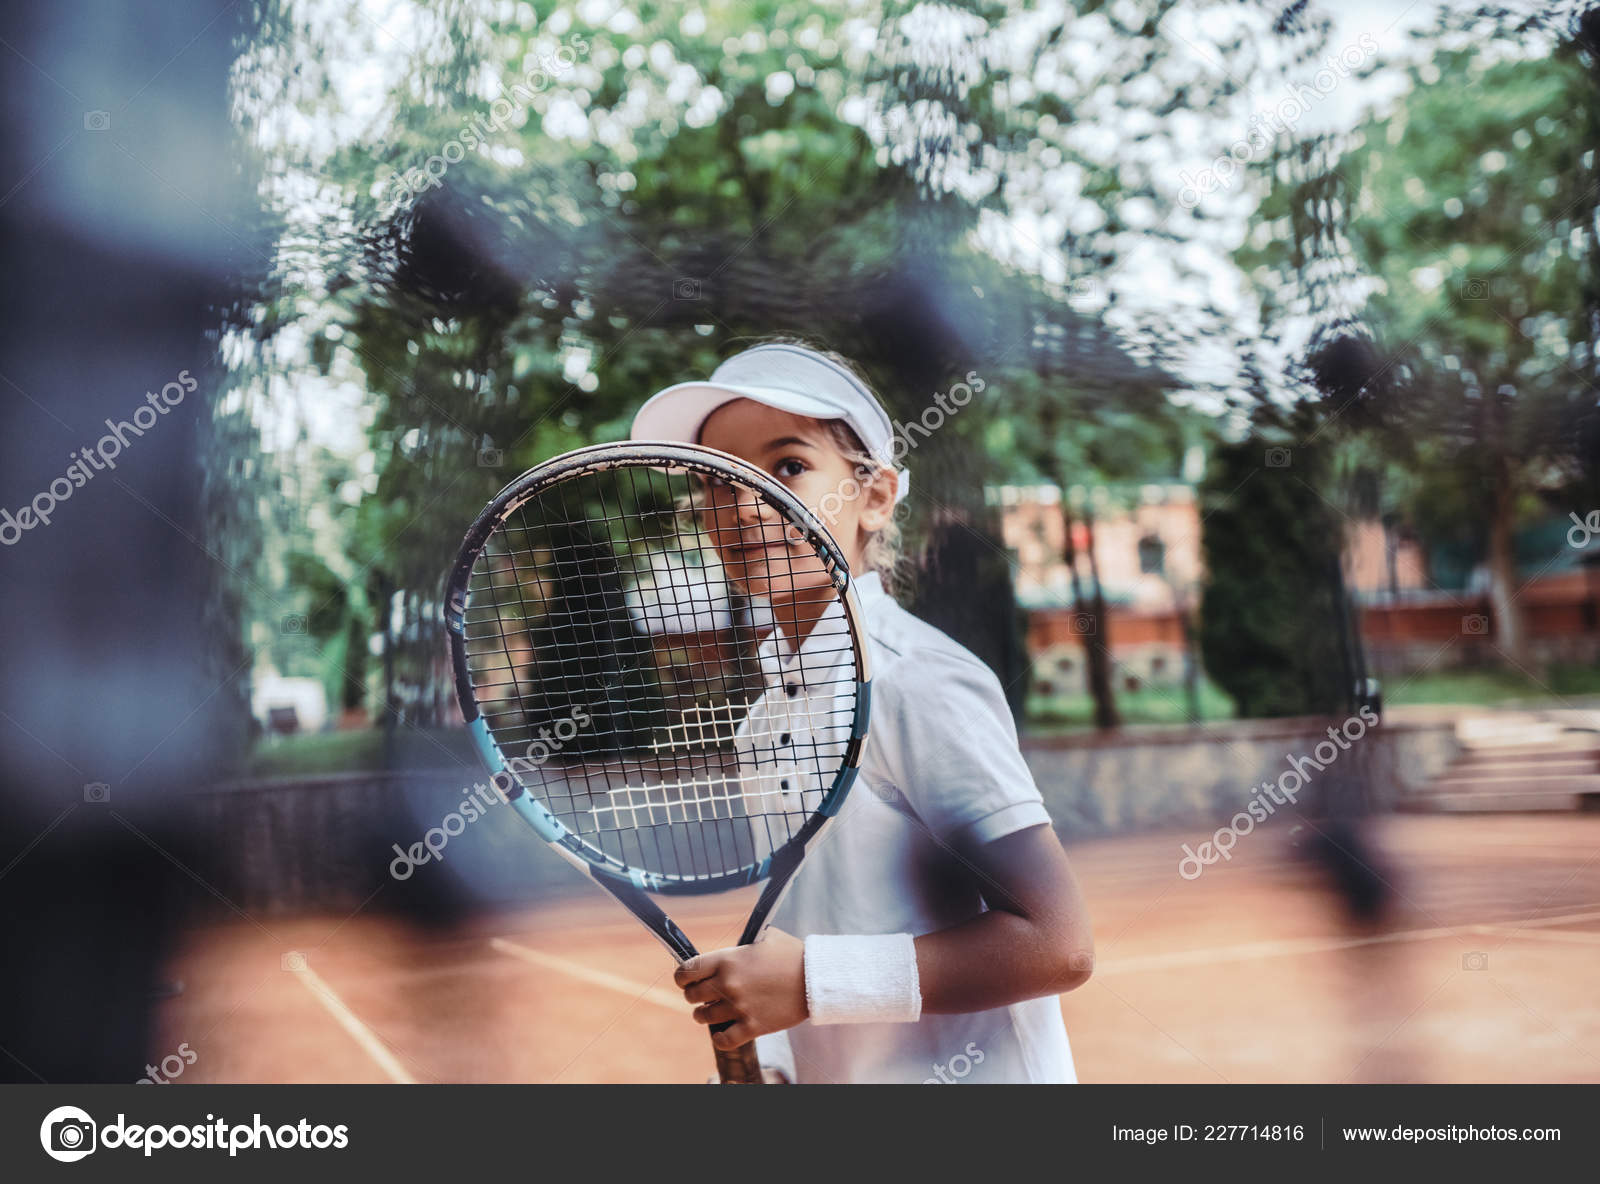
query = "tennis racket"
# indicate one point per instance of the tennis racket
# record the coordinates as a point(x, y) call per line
point(659, 653)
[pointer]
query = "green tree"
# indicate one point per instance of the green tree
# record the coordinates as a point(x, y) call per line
point(1271, 599)
point(1472, 227)
point(679, 179)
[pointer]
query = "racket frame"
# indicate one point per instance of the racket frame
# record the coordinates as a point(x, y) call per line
point(631, 886)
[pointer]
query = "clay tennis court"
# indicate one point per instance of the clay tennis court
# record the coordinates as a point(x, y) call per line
point(1246, 974)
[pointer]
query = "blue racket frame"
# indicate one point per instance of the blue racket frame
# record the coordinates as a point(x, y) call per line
point(630, 885)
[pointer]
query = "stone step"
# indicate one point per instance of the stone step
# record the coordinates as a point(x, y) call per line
point(1498, 732)
point(1519, 771)
point(1450, 783)
point(1499, 803)
point(1516, 762)
point(1543, 756)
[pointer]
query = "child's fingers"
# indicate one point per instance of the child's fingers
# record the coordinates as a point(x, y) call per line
point(714, 1013)
point(704, 991)
point(695, 969)
point(735, 1037)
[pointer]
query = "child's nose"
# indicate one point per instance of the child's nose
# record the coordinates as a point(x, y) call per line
point(751, 508)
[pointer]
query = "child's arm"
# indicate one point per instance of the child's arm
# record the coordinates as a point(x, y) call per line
point(943, 737)
point(1034, 940)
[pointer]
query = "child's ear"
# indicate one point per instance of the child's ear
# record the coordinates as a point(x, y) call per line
point(877, 502)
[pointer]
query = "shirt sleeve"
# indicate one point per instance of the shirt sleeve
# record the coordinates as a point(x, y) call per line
point(949, 746)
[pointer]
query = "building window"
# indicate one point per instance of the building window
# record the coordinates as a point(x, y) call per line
point(1152, 556)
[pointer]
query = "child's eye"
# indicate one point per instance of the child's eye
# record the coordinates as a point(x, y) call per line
point(789, 467)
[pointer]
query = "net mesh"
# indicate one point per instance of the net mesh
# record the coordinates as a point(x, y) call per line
point(664, 663)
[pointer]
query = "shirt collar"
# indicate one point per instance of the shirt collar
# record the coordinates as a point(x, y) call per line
point(869, 592)
point(869, 588)
point(821, 651)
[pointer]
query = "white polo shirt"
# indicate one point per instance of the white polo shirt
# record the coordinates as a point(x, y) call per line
point(940, 767)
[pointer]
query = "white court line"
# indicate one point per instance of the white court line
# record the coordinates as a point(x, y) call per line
point(1546, 908)
point(1564, 919)
point(359, 1032)
point(660, 996)
point(1550, 935)
point(1315, 945)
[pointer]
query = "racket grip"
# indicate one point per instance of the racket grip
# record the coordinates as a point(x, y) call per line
point(741, 1066)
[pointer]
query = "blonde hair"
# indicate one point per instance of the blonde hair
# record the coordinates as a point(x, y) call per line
point(883, 552)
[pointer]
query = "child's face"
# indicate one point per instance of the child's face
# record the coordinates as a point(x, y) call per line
point(800, 452)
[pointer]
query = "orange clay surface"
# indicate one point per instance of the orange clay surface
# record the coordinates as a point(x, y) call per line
point(1485, 972)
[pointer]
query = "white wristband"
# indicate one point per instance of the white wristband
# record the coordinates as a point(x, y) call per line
point(869, 979)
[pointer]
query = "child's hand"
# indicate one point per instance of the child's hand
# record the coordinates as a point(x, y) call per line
point(761, 988)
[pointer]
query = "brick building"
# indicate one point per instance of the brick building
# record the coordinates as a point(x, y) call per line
point(1147, 546)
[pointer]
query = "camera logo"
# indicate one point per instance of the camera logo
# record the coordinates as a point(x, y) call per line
point(293, 625)
point(491, 458)
point(1475, 624)
point(67, 1134)
point(97, 121)
point(1277, 458)
point(1475, 960)
point(96, 792)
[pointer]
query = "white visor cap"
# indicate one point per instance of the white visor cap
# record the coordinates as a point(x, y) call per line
point(789, 377)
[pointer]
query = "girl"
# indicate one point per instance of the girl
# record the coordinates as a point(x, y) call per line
point(928, 933)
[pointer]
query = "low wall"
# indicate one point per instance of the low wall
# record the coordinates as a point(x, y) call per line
point(328, 843)
point(1109, 782)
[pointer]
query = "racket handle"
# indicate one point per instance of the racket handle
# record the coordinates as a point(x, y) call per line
point(740, 1066)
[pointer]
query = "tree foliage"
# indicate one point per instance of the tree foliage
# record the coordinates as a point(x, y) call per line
point(626, 194)
point(1270, 605)
point(1463, 336)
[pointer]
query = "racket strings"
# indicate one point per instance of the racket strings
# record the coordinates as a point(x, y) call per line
point(640, 691)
